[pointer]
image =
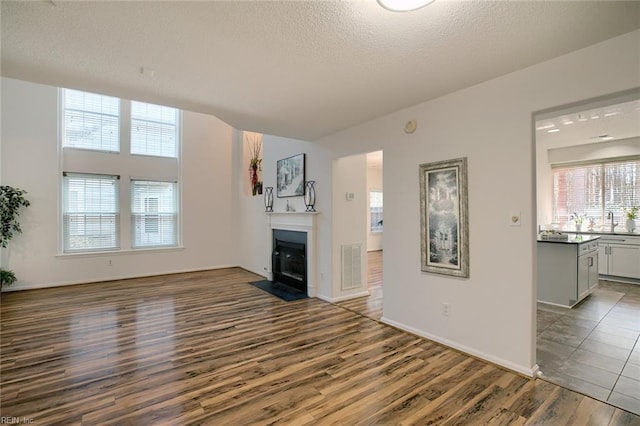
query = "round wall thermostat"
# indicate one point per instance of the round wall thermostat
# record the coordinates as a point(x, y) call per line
point(411, 126)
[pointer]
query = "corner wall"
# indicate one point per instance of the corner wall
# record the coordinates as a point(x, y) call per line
point(493, 312)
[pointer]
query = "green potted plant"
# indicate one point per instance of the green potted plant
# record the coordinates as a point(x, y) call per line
point(632, 215)
point(11, 201)
point(578, 219)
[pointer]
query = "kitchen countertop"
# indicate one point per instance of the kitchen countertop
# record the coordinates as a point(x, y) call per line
point(587, 232)
point(573, 239)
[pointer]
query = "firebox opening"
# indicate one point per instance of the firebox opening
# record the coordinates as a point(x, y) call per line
point(289, 258)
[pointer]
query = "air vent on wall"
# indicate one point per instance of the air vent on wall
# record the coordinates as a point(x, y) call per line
point(351, 266)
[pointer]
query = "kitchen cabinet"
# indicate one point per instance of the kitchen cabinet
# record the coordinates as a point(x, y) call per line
point(619, 256)
point(588, 275)
point(567, 270)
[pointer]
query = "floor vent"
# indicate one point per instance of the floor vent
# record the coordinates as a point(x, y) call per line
point(351, 266)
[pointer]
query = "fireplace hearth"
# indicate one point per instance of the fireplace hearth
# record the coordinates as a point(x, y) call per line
point(289, 259)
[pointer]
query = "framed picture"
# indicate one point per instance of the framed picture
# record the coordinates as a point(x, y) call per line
point(444, 217)
point(290, 176)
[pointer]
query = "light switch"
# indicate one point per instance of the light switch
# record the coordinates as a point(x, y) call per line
point(514, 219)
point(349, 196)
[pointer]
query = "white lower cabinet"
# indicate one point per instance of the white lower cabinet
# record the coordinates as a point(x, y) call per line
point(587, 273)
point(620, 256)
point(567, 271)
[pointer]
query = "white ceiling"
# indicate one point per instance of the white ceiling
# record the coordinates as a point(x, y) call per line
point(300, 69)
point(611, 121)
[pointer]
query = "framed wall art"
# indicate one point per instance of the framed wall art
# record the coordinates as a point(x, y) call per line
point(290, 177)
point(444, 217)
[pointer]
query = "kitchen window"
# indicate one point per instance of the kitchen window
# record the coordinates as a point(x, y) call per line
point(595, 189)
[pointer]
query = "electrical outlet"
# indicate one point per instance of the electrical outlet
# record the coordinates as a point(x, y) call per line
point(446, 309)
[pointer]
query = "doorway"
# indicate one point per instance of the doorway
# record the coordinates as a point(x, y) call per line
point(370, 305)
point(592, 347)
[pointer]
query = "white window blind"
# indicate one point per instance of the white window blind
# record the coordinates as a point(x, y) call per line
point(91, 121)
point(154, 130)
point(375, 210)
point(91, 218)
point(594, 190)
point(154, 213)
point(622, 188)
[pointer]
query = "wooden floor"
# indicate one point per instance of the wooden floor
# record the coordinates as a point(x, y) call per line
point(208, 348)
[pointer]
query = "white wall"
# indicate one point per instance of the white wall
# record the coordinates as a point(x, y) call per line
point(374, 182)
point(30, 161)
point(254, 233)
point(349, 219)
point(573, 154)
point(492, 312)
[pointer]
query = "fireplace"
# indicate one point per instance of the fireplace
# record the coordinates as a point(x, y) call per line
point(289, 258)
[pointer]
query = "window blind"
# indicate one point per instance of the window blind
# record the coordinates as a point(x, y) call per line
point(91, 121)
point(154, 207)
point(154, 130)
point(622, 189)
point(91, 218)
point(594, 190)
point(375, 210)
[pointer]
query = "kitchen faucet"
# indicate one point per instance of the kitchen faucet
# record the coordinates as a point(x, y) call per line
point(613, 225)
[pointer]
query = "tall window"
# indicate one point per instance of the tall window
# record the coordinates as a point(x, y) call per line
point(154, 130)
point(154, 213)
point(91, 219)
point(118, 132)
point(596, 189)
point(375, 210)
point(91, 121)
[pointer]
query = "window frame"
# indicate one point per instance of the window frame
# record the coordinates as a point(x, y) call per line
point(158, 215)
point(378, 229)
point(178, 132)
point(605, 189)
point(65, 234)
point(123, 163)
point(62, 108)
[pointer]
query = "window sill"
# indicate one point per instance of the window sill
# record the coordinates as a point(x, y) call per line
point(119, 252)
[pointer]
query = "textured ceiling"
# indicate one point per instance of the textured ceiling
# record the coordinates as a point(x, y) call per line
point(300, 69)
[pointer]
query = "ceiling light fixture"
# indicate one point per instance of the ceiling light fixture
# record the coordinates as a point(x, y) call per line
point(553, 130)
point(403, 5)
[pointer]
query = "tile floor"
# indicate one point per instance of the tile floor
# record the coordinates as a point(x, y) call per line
point(594, 348)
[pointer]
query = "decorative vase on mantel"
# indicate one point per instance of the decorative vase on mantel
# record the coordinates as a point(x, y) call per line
point(630, 225)
point(310, 196)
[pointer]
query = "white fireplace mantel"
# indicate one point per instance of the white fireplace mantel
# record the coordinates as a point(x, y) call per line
point(301, 222)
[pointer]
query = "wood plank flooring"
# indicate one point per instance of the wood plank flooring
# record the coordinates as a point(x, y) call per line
point(208, 348)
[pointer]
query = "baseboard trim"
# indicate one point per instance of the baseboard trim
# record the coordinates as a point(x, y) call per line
point(345, 297)
point(107, 279)
point(525, 371)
